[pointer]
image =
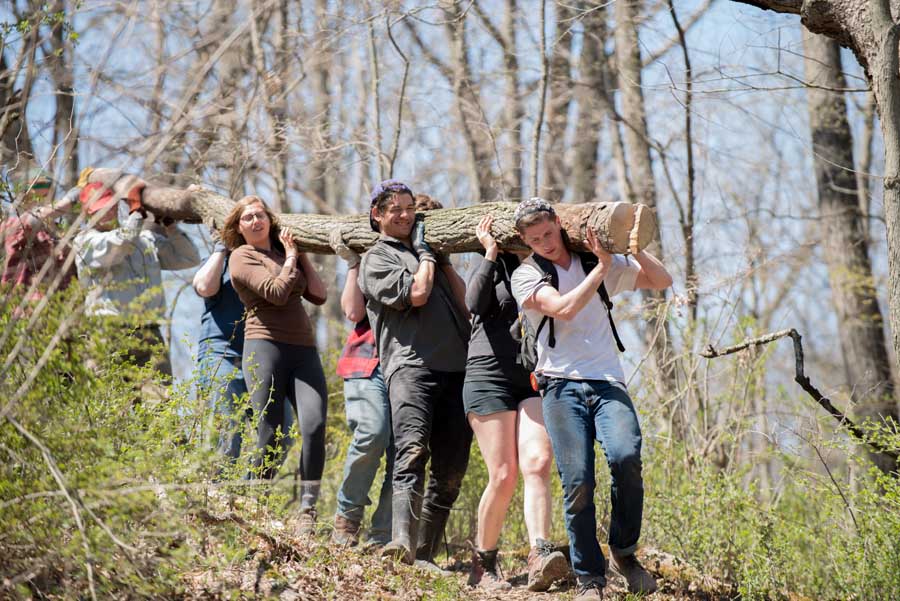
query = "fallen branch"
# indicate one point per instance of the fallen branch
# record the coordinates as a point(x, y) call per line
point(803, 380)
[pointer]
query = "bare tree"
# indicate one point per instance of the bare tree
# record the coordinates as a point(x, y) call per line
point(560, 97)
point(640, 172)
point(860, 323)
point(65, 133)
point(872, 32)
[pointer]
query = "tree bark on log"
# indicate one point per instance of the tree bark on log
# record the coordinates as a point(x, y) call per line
point(446, 230)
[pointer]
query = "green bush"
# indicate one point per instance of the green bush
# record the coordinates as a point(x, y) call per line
point(107, 472)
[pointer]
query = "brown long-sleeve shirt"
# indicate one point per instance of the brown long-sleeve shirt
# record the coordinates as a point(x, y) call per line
point(272, 293)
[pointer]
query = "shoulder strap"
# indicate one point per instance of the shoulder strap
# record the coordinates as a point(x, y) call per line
point(588, 262)
point(549, 270)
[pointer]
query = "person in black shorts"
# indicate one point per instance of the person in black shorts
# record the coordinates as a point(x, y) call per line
point(505, 414)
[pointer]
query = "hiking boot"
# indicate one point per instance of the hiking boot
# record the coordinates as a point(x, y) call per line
point(346, 531)
point(484, 572)
point(306, 522)
point(546, 565)
point(639, 580)
point(588, 591)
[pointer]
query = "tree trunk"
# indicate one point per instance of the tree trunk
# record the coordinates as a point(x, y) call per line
point(560, 96)
point(640, 165)
point(869, 29)
point(65, 132)
point(447, 230)
point(590, 114)
point(514, 112)
point(860, 323)
point(16, 149)
point(476, 129)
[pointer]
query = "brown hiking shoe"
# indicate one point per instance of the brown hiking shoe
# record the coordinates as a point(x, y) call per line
point(546, 565)
point(346, 532)
point(639, 580)
point(484, 572)
point(588, 591)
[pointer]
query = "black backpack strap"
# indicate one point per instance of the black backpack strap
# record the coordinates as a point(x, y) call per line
point(549, 270)
point(588, 262)
point(604, 296)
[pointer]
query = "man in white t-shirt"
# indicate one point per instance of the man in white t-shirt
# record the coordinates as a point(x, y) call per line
point(582, 384)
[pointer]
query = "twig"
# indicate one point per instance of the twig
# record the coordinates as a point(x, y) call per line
point(373, 66)
point(73, 503)
point(711, 353)
point(395, 147)
point(539, 122)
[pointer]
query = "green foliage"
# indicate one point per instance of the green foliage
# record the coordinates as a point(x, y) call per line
point(142, 510)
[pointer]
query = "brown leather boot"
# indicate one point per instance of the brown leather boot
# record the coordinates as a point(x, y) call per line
point(546, 565)
point(346, 532)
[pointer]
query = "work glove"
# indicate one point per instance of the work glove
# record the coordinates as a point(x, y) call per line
point(340, 248)
point(418, 241)
point(135, 205)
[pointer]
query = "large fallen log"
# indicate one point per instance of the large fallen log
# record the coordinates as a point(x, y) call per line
point(624, 227)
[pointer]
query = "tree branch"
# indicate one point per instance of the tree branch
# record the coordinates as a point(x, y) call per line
point(803, 380)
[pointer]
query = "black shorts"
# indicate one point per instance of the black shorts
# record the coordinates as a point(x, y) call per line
point(495, 384)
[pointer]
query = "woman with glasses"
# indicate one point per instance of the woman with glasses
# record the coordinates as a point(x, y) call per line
point(280, 361)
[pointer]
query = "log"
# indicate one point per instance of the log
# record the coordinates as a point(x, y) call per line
point(446, 230)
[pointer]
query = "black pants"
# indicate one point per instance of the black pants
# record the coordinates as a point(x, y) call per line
point(428, 420)
point(277, 373)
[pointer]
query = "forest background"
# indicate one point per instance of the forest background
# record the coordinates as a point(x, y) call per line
point(757, 143)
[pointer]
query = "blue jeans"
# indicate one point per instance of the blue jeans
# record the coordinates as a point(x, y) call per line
point(222, 382)
point(369, 417)
point(577, 412)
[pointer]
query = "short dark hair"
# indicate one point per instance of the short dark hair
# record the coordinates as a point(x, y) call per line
point(427, 203)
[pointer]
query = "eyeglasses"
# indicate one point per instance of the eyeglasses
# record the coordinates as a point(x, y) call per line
point(250, 217)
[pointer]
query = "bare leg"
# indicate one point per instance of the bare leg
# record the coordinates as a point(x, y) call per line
point(496, 435)
point(535, 461)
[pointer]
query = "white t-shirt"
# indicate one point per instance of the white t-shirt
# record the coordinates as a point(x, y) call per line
point(585, 348)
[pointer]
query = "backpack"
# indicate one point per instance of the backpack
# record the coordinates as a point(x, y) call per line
point(527, 355)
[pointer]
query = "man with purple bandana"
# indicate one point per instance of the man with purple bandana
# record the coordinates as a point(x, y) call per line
point(416, 305)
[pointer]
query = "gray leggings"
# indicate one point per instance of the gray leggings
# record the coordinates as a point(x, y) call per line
point(277, 373)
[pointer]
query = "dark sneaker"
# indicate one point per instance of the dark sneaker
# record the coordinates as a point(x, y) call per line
point(546, 565)
point(588, 591)
point(346, 532)
point(639, 580)
point(484, 573)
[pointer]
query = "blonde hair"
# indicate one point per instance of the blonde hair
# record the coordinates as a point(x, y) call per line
point(231, 234)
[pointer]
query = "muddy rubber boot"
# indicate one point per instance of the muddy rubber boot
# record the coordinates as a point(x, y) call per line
point(431, 527)
point(405, 507)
